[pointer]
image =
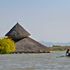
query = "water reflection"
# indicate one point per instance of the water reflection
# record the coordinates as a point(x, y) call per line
point(45, 61)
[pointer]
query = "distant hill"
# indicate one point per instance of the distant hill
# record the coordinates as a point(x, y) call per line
point(50, 44)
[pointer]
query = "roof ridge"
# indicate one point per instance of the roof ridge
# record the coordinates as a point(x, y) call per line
point(17, 32)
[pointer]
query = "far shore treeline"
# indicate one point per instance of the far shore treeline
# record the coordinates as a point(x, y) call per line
point(59, 48)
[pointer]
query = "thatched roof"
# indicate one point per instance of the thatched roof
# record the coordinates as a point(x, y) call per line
point(30, 45)
point(17, 32)
point(23, 42)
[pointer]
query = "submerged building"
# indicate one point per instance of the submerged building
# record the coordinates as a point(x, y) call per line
point(24, 43)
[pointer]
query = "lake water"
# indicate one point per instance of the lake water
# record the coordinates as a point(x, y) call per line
point(43, 61)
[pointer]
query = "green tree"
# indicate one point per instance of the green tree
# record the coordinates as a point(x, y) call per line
point(7, 45)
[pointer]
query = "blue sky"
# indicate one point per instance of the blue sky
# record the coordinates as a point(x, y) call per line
point(46, 20)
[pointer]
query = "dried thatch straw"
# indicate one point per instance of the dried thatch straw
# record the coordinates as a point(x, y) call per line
point(17, 32)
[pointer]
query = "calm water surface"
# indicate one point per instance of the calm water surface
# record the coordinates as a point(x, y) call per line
point(44, 61)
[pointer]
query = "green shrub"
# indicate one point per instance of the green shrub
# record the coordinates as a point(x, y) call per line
point(7, 45)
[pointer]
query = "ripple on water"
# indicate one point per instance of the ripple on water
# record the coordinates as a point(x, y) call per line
point(34, 62)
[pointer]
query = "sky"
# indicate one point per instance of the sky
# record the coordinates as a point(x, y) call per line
point(46, 20)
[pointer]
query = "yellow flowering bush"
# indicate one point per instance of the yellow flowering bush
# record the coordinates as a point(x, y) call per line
point(7, 45)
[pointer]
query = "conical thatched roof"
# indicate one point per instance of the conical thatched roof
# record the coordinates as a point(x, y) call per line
point(30, 45)
point(17, 32)
point(23, 42)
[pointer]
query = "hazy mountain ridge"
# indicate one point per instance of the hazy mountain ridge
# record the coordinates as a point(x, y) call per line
point(50, 44)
